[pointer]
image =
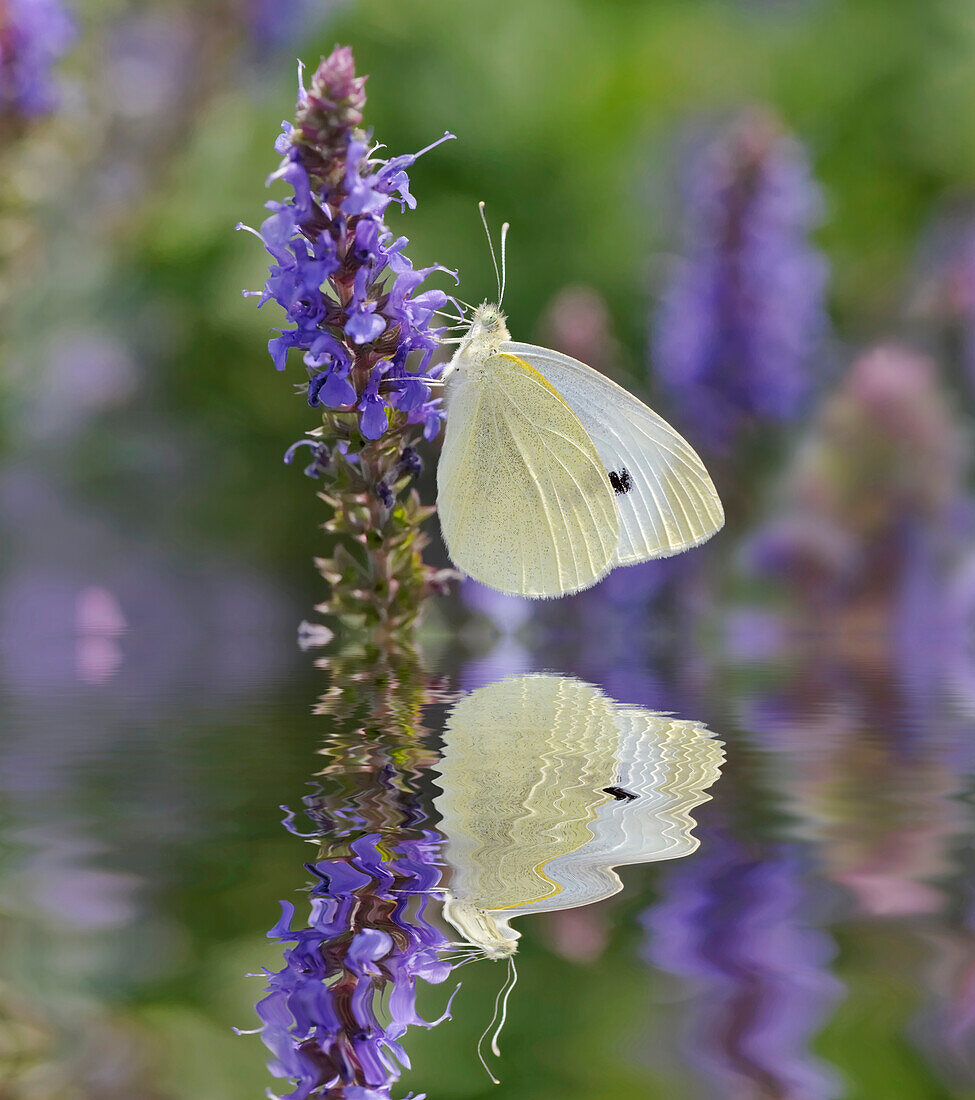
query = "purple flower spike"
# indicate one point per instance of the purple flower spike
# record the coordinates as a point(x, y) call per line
point(738, 329)
point(364, 948)
point(275, 25)
point(366, 331)
point(329, 245)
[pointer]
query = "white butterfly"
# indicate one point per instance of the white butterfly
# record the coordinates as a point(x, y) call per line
point(548, 785)
point(551, 475)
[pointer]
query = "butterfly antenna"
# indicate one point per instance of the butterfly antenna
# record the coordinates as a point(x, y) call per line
point(504, 262)
point(494, 258)
point(501, 1000)
point(513, 975)
point(484, 1034)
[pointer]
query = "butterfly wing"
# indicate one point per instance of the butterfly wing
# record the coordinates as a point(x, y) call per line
point(525, 502)
point(524, 766)
point(548, 785)
point(664, 766)
point(666, 499)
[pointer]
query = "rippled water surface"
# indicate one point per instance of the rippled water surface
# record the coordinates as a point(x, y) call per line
point(691, 875)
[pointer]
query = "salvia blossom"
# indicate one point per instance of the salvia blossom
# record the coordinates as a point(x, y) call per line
point(342, 278)
point(333, 1016)
point(731, 921)
point(737, 330)
point(34, 35)
point(365, 333)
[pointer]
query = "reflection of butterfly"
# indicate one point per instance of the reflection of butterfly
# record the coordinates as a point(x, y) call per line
point(551, 475)
point(548, 784)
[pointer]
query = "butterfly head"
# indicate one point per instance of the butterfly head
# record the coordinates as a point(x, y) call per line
point(486, 332)
point(488, 324)
point(492, 936)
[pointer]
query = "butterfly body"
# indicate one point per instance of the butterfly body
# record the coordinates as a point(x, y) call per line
point(551, 475)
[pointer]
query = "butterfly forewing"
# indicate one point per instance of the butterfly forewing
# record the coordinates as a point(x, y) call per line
point(525, 503)
point(524, 767)
point(666, 499)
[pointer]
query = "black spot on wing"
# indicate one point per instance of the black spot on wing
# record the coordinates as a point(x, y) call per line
point(621, 794)
point(621, 482)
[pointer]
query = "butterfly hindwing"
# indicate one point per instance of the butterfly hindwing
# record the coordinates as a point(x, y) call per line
point(666, 499)
point(525, 503)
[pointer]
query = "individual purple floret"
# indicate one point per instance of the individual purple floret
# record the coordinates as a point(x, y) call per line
point(344, 281)
point(319, 455)
point(334, 1014)
point(738, 328)
point(34, 35)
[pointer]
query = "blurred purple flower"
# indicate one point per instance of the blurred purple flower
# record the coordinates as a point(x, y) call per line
point(359, 958)
point(732, 919)
point(276, 24)
point(870, 514)
point(150, 58)
point(577, 321)
point(736, 332)
point(342, 278)
point(84, 374)
point(99, 621)
point(189, 614)
point(945, 291)
point(34, 35)
point(959, 603)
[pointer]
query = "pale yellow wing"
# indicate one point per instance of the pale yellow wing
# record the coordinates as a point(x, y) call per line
point(525, 503)
point(667, 501)
point(524, 767)
point(548, 784)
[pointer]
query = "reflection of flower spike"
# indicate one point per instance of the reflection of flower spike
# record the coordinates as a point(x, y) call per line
point(366, 945)
point(731, 920)
point(335, 1014)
